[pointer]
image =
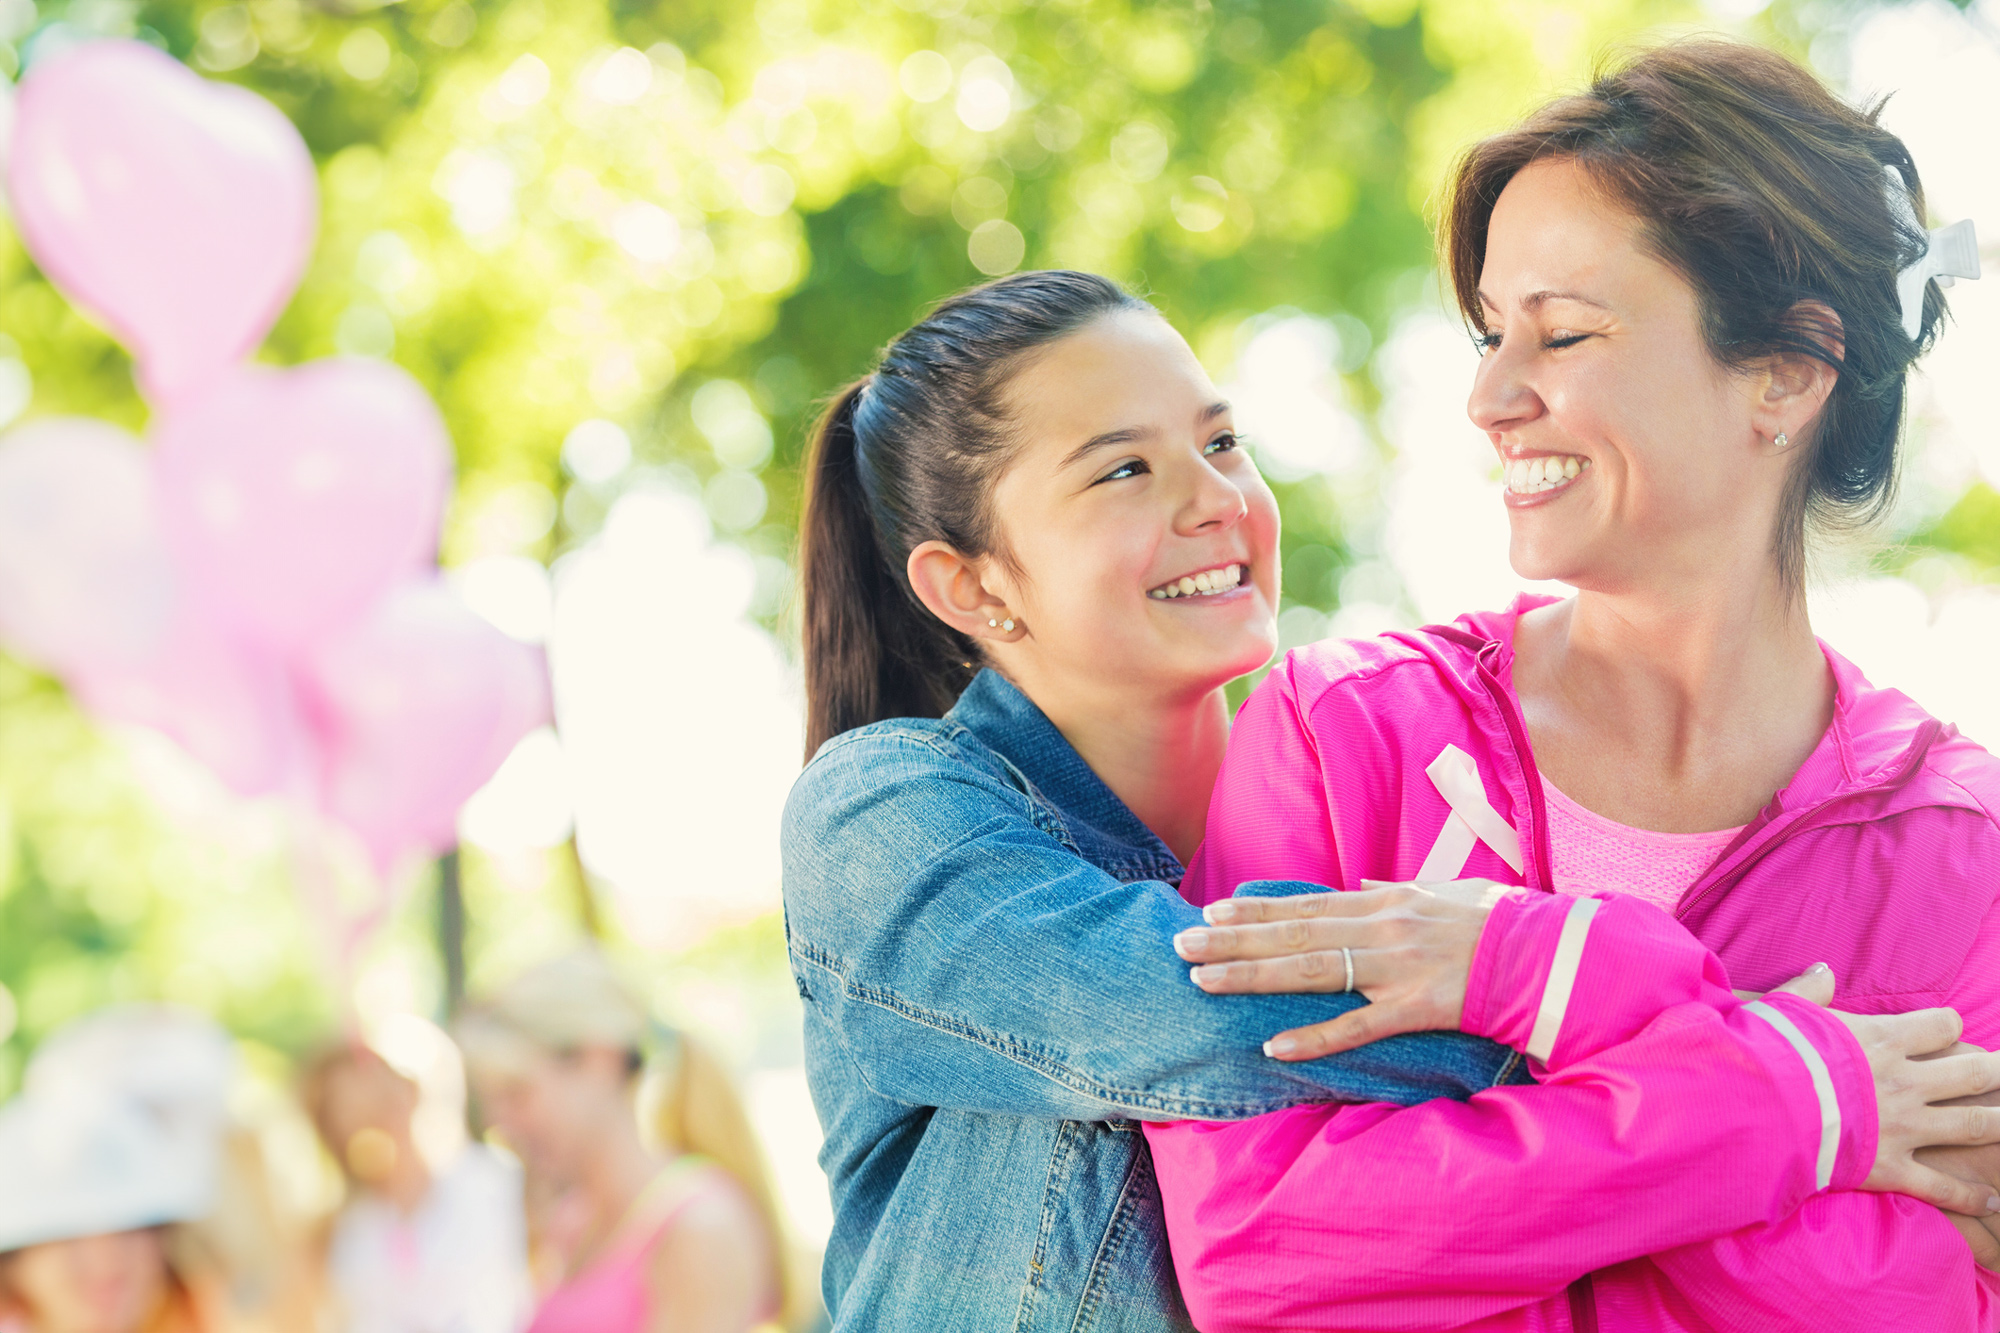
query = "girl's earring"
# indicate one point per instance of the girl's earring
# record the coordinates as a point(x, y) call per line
point(1006, 625)
point(1782, 440)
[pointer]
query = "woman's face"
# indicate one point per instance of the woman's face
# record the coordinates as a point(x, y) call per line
point(94, 1284)
point(1143, 542)
point(552, 1108)
point(1631, 456)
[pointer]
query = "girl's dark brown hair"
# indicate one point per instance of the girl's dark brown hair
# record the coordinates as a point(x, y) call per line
point(1767, 193)
point(907, 455)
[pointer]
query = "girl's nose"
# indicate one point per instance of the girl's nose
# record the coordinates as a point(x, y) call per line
point(1216, 503)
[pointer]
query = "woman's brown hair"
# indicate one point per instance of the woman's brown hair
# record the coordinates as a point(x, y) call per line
point(1769, 195)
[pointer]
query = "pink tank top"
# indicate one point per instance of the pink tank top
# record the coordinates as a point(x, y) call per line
point(1592, 853)
point(612, 1295)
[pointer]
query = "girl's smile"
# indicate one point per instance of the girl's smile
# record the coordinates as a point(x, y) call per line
point(1208, 585)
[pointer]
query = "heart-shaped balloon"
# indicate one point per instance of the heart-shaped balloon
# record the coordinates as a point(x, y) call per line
point(84, 574)
point(181, 212)
point(415, 708)
point(87, 588)
point(230, 706)
point(296, 498)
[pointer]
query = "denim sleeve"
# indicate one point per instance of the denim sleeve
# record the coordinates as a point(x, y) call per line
point(967, 958)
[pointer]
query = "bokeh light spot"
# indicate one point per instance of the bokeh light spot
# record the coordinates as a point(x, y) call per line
point(996, 247)
point(924, 76)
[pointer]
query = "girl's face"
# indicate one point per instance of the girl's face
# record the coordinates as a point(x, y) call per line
point(1142, 543)
point(1630, 454)
point(367, 1119)
point(95, 1284)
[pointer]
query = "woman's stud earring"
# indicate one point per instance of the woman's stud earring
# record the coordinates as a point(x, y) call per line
point(1782, 440)
point(1004, 625)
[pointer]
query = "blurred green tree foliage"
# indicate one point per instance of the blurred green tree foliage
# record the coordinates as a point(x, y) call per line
point(693, 219)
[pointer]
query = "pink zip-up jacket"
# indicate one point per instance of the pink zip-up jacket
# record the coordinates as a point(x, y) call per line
point(1688, 1161)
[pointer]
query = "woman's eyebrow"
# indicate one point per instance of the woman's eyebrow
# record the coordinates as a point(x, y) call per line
point(1536, 300)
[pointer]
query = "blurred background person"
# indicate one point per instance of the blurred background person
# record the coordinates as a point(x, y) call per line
point(651, 1208)
point(412, 1249)
point(128, 1201)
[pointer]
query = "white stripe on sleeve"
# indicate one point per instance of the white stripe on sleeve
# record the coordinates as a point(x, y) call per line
point(1822, 1081)
point(1562, 978)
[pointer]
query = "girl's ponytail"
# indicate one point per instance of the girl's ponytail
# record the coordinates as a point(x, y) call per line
point(908, 455)
point(871, 650)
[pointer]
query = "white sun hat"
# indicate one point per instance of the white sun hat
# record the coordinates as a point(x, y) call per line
point(119, 1127)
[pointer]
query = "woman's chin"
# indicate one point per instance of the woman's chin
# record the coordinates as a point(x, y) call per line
point(1543, 561)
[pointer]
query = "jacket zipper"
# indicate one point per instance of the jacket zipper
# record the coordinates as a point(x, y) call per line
point(1483, 650)
point(1907, 765)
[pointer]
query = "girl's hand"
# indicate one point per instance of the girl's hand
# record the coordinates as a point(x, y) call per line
point(1412, 948)
point(1979, 1235)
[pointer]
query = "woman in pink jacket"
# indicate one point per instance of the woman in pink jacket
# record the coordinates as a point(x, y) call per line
point(1697, 288)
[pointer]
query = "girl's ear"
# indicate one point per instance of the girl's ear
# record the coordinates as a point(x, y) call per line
point(951, 587)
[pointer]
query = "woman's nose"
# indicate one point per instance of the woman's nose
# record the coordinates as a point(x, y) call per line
point(1501, 396)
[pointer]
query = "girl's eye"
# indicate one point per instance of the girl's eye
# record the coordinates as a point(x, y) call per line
point(1131, 467)
point(1225, 441)
point(1557, 341)
point(1487, 342)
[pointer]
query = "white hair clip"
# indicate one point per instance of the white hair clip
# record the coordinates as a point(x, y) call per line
point(1952, 252)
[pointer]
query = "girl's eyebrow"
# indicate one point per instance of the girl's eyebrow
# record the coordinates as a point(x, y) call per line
point(1127, 434)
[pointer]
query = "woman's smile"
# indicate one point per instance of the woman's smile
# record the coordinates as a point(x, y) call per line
point(1542, 478)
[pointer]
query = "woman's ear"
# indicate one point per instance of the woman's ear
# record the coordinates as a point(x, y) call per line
point(952, 587)
point(1797, 385)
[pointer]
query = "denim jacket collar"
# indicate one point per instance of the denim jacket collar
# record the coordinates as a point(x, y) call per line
point(1103, 827)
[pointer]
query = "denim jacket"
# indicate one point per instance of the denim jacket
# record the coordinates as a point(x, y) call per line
point(981, 932)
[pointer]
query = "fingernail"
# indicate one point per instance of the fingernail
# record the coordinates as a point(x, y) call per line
point(1817, 968)
point(1218, 913)
point(1280, 1046)
point(1993, 1203)
point(1190, 939)
point(1198, 975)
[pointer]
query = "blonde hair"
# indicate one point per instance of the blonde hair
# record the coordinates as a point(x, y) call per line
point(686, 1101)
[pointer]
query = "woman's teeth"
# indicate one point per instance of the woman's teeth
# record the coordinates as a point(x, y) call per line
point(1526, 476)
point(1202, 584)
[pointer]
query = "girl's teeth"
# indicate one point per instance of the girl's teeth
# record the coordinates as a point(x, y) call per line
point(1208, 581)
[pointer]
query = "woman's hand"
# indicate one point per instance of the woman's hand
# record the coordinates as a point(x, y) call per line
point(1930, 1093)
point(1412, 948)
point(1980, 1166)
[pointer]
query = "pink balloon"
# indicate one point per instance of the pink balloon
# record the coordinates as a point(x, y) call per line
point(231, 707)
point(179, 211)
point(416, 708)
point(84, 576)
point(298, 497)
point(87, 589)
